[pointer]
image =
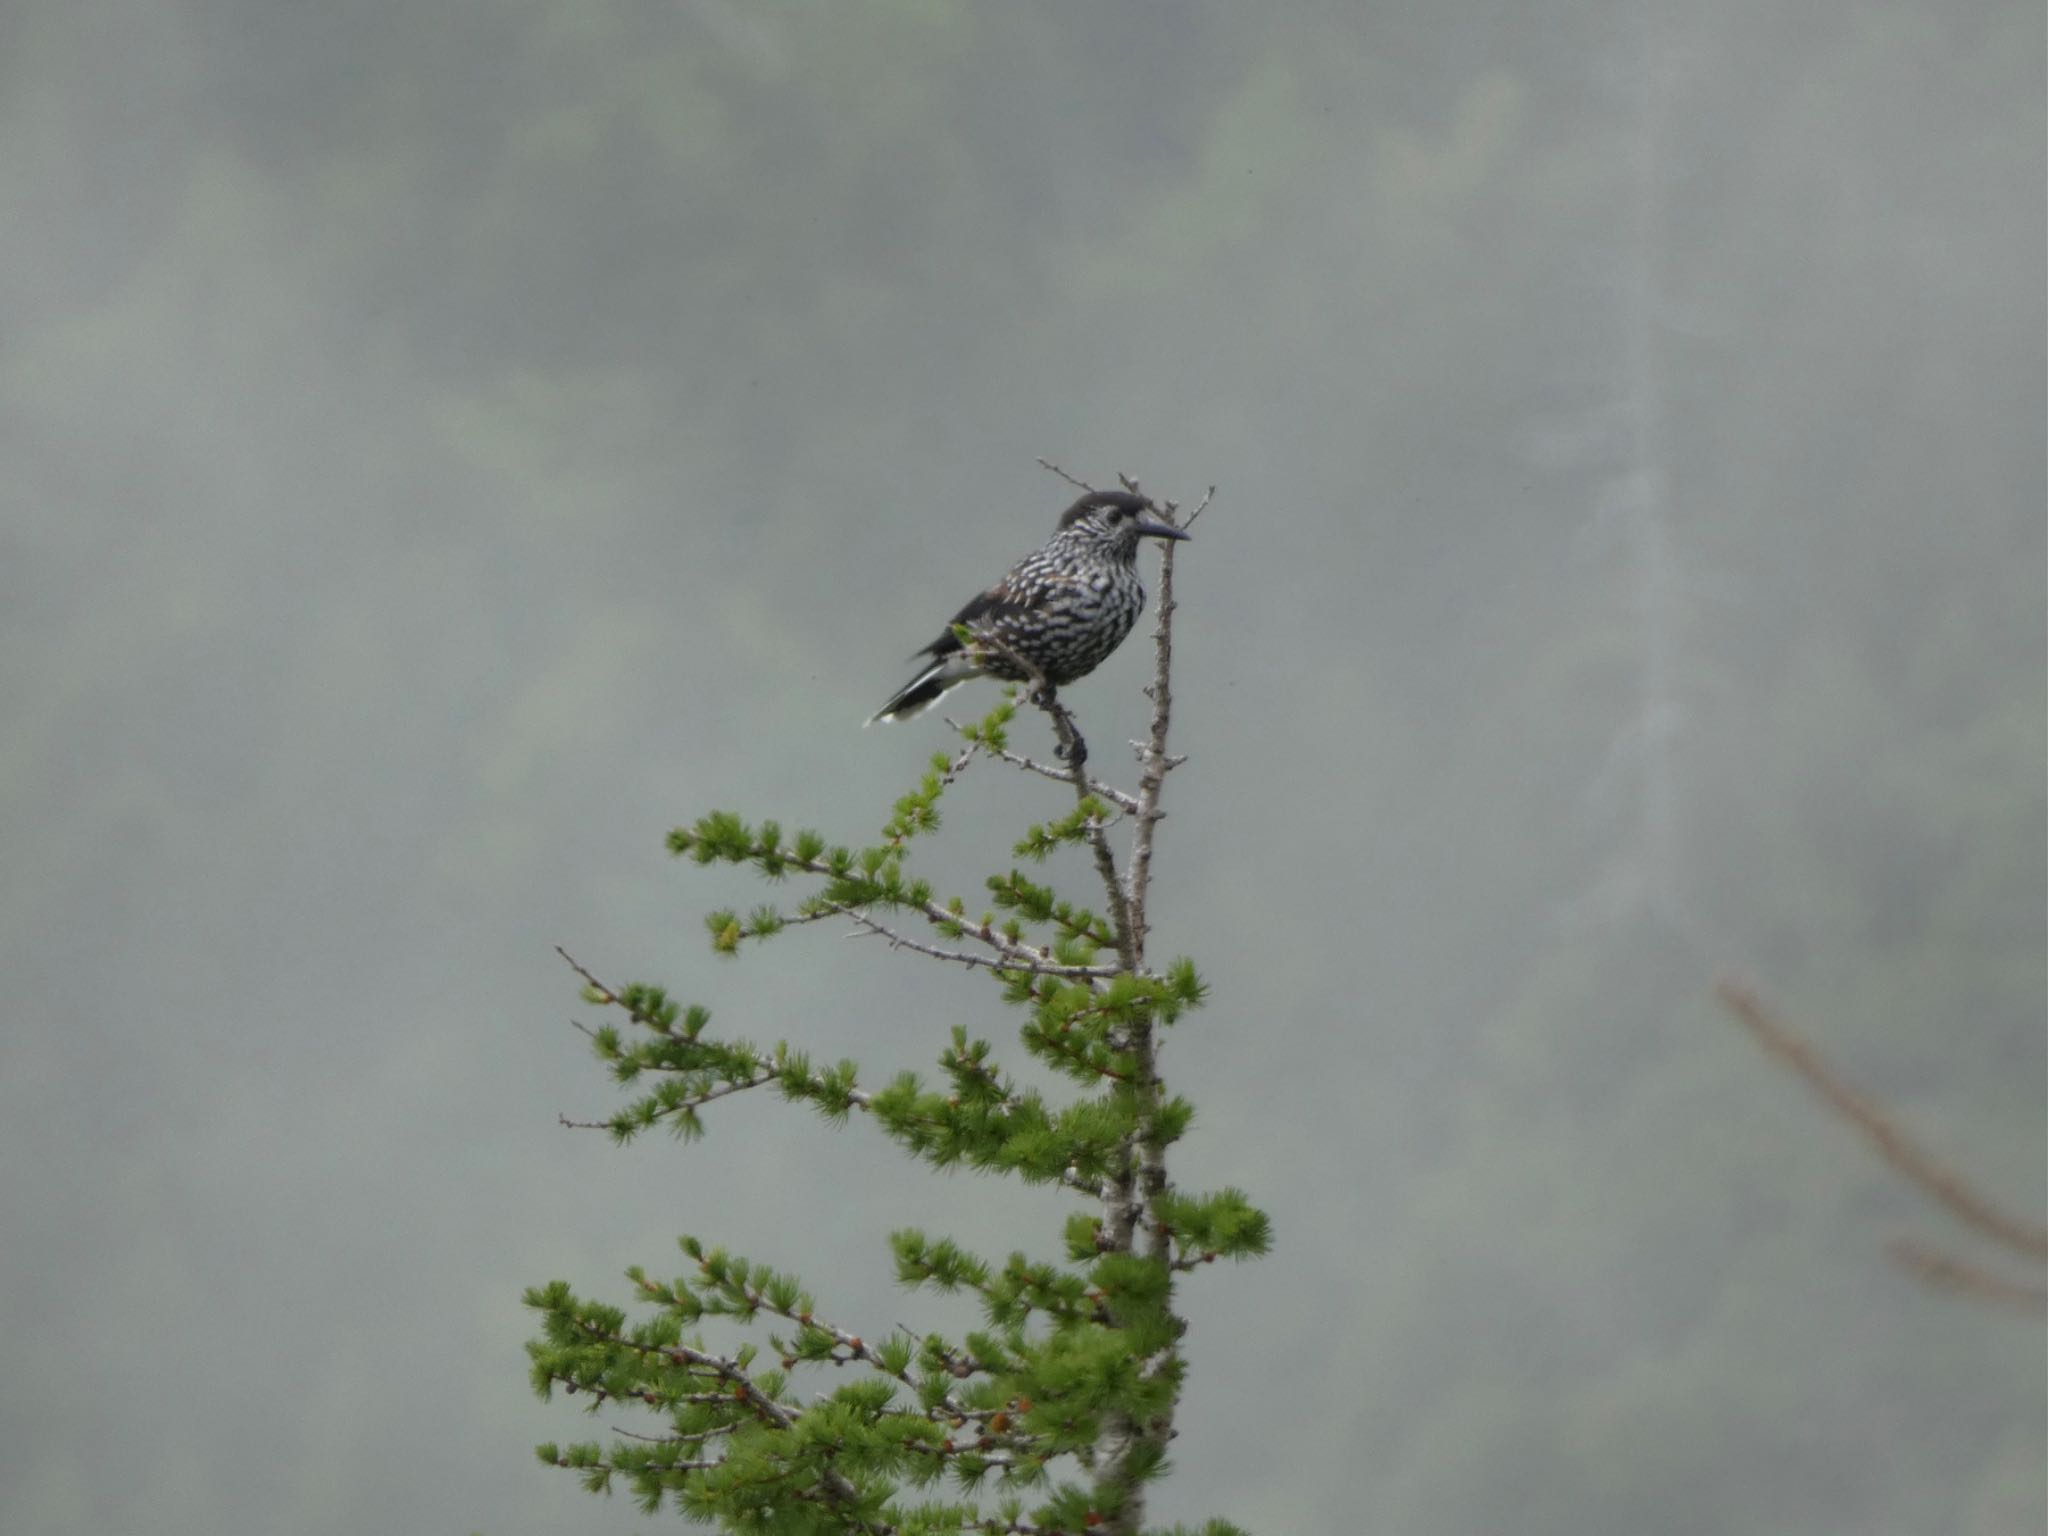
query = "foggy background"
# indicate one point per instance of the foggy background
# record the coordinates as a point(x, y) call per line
point(446, 446)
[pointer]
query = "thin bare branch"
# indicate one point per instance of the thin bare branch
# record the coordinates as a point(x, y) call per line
point(695, 1438)
point(1079, 485)
point(1897, 1148)
point(870, 927)
point(604, 993)
point(664, 1468)
point(1123, 800)
point(1949, 1273)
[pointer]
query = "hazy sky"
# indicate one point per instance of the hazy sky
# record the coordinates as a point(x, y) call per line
point(448, 446)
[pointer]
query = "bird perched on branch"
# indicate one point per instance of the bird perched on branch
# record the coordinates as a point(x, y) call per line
point(1063, 609)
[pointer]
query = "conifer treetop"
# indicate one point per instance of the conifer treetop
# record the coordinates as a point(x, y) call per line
point(1057, 1413)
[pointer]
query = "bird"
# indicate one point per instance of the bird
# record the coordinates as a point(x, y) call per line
point(1063, 609)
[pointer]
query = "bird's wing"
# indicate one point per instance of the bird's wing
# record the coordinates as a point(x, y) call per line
point(1025, 586)
point(987, 607)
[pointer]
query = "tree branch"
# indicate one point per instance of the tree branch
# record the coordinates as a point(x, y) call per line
point(695, 1100)
point(1897, 1148)
point(1015, 954)
point(1949, 1273)
point(1074, 751)
point(1121, 799)
point(903, 941)
point(1157, 763)
point(1079, 485)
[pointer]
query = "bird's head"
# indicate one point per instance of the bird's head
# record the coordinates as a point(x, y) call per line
point(1114, 521)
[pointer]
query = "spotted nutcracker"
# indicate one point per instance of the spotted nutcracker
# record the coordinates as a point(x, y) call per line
point(1063, 609)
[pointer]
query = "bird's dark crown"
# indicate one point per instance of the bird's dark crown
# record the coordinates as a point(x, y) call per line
point(1115, 505)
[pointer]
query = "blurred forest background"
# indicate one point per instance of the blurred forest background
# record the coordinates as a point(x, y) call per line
point(447, 445)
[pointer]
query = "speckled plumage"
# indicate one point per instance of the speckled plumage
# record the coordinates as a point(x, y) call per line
point(1063, 608)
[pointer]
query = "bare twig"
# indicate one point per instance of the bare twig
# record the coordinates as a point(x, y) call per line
point(665, 1468)
point(1897, 1148)
point(1079, 485)
point(1046, 967)
point(1123, 800)
point(959, 764)
point(1950, 1273)
point(604, 993)
point(696, 1437)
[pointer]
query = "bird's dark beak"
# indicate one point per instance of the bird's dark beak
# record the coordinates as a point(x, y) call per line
point(1157, 531)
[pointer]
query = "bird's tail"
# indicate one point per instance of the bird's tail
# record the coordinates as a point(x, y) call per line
point(927, 688)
